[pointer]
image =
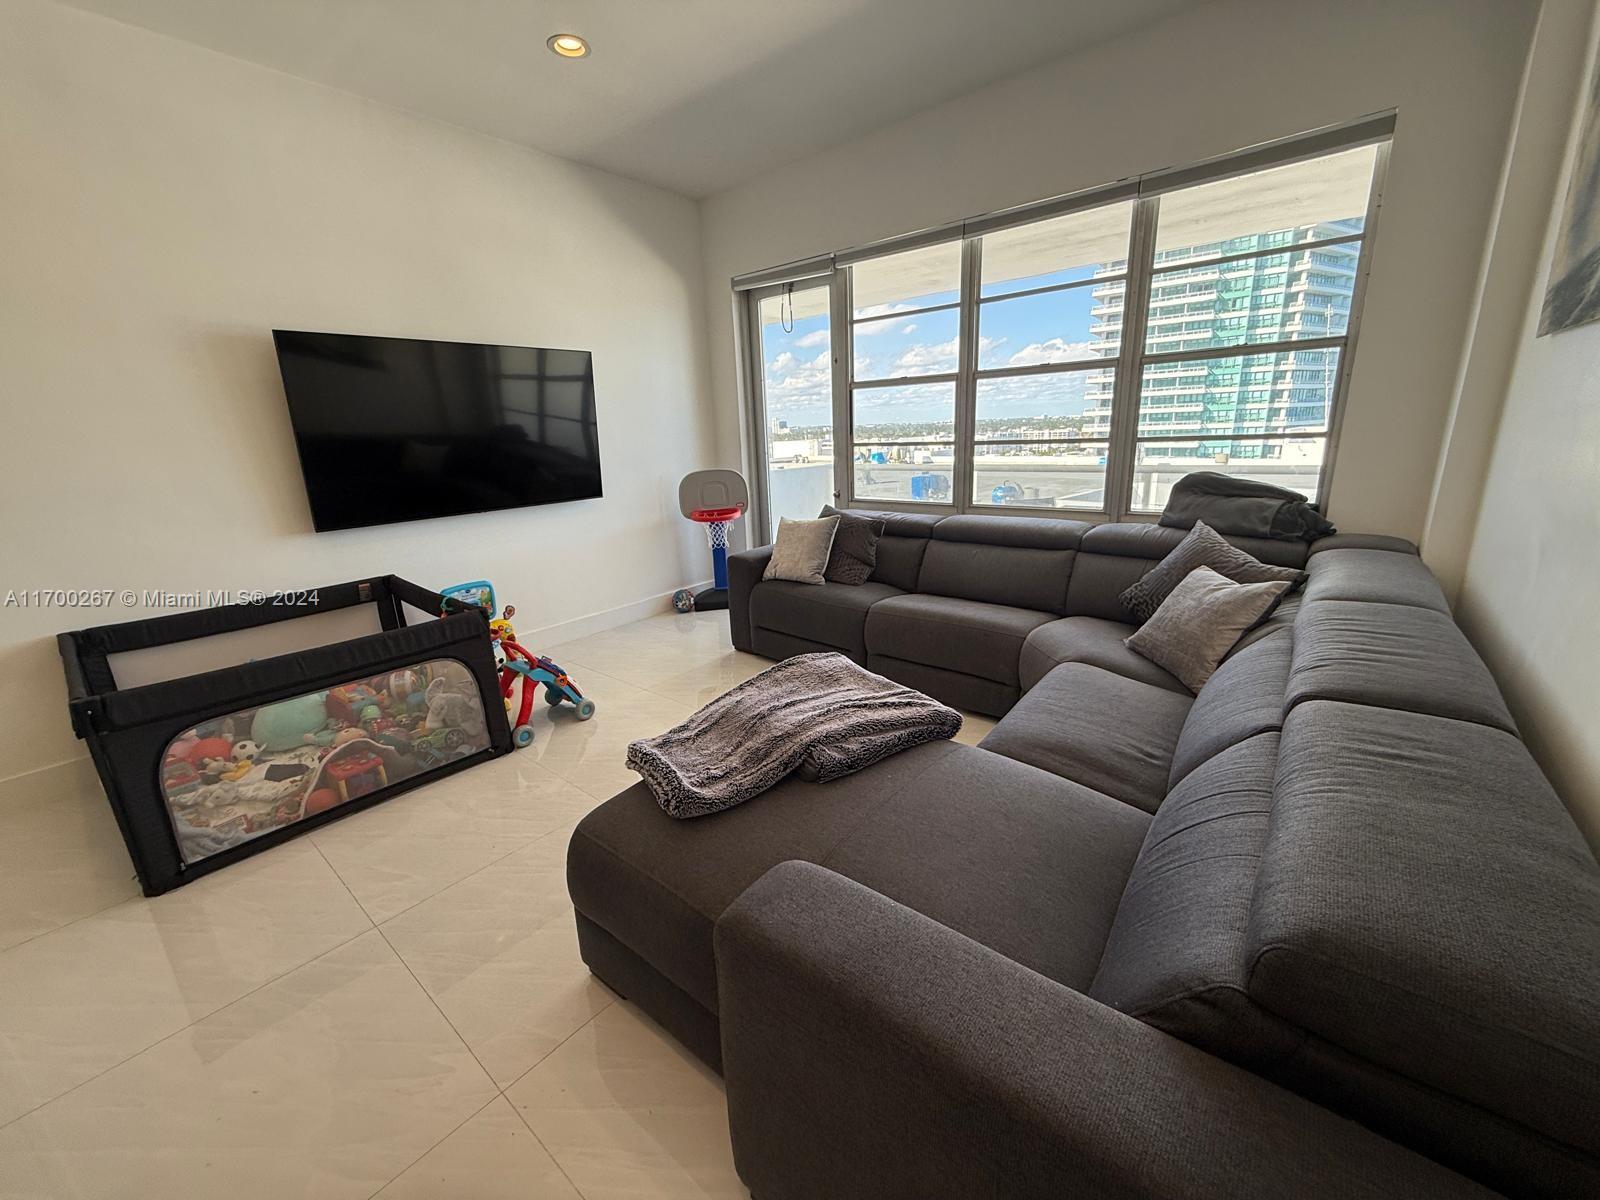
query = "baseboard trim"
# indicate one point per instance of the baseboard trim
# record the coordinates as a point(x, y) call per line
point(623, 614)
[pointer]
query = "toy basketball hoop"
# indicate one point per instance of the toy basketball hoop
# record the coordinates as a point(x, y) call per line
point(715, 499)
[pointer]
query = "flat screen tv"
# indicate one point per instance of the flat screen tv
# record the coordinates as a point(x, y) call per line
point(394, 429)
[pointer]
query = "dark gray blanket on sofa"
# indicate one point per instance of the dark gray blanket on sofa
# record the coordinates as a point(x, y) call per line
point(818, 714)
point(1243, 508)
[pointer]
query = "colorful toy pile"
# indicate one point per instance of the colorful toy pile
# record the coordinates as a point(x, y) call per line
point(228, 780)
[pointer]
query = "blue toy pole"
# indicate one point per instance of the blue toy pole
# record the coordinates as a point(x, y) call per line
point(719, 557)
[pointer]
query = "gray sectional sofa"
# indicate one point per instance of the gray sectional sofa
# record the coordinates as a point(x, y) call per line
point(1321, 929)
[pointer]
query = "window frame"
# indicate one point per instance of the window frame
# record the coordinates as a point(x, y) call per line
point(1140, 275)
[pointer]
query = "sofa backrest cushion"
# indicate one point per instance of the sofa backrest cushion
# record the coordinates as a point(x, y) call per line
point(1176, 958)
point(1376, 576)
point(1113, 557)
point(900, 549)
point(1425, 904)
point(1018, 561)
point(1392, 655)
point(1242, 698)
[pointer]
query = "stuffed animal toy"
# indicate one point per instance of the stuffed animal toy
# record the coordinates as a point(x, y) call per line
point(454, 710)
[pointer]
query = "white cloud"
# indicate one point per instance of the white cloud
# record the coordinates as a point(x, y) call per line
point(817, 337)
point(911, 328)
point(1054, 350)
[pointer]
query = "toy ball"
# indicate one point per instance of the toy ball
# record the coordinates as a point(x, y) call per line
point(211, 747)
point(683, 600)
point(321, 800)
point(284, 725)
point(245, 749)
point(404, 682)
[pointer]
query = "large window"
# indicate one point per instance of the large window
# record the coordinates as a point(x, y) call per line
point(1082, 358)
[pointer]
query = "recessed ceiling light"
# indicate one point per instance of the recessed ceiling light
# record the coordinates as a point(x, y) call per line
point(568, 45)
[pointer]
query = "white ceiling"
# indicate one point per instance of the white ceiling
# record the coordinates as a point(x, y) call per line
point(693, 95)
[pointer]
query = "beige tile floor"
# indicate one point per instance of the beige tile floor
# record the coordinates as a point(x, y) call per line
point(392, 1006)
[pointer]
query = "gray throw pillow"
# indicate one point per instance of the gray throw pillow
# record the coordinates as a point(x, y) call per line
point(1200, 620)
point(855, 547)
point(800, 553)
point(1203, 547)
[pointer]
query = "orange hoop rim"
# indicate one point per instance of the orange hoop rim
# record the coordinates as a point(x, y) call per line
point(709, 516)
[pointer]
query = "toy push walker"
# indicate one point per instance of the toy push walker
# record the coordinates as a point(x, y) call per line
point(536, 672)
point(715, 499)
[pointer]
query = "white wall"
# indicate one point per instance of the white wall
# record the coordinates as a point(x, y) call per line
point(163, 207)
point(1210, 80)
point(1532, 589)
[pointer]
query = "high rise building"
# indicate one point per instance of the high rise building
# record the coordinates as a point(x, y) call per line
point(1273, 297)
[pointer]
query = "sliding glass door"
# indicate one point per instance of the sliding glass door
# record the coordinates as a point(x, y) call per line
point(795, 406)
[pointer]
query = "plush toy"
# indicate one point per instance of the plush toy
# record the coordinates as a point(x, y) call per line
point(453, 710)
point(284, 725)
point(244, 751)
point(208, 748)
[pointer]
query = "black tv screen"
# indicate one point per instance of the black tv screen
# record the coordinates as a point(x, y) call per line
point(393, 429)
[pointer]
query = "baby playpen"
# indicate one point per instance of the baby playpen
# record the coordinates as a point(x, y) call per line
point(207, 768)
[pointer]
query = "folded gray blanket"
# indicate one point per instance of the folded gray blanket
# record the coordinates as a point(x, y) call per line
point(818, 714)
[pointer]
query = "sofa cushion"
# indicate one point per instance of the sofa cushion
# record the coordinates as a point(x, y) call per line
point(1109, 733)
point(1020, 860)
point(834, 614)
point(1113, 557)
point(1091, 640)
point(1395, 656)
point(1203, 547)
point(1176, 954)
point(969, 693)
point(800, 551)
point(900, 549)
point(855, 547)
point(1016, 561)
point(1243, 698)
point(1426, 904)
point(1378, 576)
point(1201, 620)
point(968, 636)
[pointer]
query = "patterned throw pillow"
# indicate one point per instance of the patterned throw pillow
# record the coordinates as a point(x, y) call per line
point(1200, 620)
point(855, 547)
point(800, 551)
point(1204, 547)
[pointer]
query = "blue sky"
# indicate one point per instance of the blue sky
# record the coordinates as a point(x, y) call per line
point(1052, 327)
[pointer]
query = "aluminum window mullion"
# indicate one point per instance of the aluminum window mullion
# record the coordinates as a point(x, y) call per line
point(747, 350)
point(1201, 264)
point(966, 373)
point(903, 313)
point(843, 345)
point(889, 381)
point(1054, 287)
point(1358, 299)
point(1060, 368)
point(1123, 450)
point(1245, 350)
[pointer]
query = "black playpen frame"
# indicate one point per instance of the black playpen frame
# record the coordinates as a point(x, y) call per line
point(128, 730)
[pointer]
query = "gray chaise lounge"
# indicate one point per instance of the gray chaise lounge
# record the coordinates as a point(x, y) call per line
point(1323, 929)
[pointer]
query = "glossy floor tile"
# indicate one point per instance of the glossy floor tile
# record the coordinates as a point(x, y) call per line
point(498, 952)
point(494, 1156)
point(392, 1005)
point(85, 997)
point(61, 856)
point(627, 1112)
point(327, 1082)
point(402, 851)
